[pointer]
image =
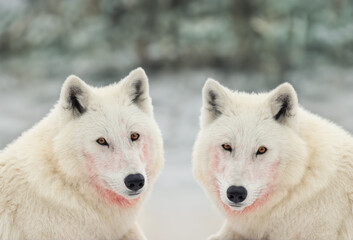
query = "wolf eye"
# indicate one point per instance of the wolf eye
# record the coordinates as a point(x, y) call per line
point(261, 150)
point(227, 147)
point(134, 136)
point(102, 141)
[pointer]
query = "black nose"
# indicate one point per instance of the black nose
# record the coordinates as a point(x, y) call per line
point(134, 182)
point(236, 194)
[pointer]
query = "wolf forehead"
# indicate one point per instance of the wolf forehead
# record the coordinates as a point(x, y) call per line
point(218, 101)
point(77, 97)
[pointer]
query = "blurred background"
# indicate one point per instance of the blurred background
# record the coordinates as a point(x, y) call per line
point(249, 45)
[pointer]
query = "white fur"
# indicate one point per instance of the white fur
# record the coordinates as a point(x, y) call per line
point(57, 182)
point(301, 188)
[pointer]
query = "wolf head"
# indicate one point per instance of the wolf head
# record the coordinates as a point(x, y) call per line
point(108, 136)
point(246, 144)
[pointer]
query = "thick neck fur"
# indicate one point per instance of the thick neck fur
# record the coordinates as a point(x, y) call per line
point(319, 169)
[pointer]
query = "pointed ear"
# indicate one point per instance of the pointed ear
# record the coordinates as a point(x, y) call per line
point(137, 88)
point(74, 96)
point(284, 103)
point(215, 97)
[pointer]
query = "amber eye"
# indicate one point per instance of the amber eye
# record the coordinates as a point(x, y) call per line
point(261, 150)
point(102, 141)
point(134, 136)
point(227, 147)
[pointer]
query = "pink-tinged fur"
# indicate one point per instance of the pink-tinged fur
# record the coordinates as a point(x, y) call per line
point(145, 156)
point(215, 166)
point(258, 203)
point(106, 194)
point(114, 198)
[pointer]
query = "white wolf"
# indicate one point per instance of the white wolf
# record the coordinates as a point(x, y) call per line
point(273, 169)
point(85, 169)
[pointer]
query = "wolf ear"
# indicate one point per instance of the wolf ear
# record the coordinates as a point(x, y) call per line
point(214, 100)
point(284, 103)
point(74, 95)
point(136, 84)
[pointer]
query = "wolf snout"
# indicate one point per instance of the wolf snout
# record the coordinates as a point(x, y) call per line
point(236, 194)
point(135, 182)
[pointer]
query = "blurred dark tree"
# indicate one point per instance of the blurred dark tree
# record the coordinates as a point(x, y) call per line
point(265, 36)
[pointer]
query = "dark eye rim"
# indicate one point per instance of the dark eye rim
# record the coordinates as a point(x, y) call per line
point(102, 144)
point(258, 151)
point(138, 136)
point(229, 150)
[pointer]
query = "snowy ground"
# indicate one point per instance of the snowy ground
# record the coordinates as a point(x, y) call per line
point(177, 208)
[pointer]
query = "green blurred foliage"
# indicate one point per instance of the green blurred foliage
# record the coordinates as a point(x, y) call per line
point(267, 36)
